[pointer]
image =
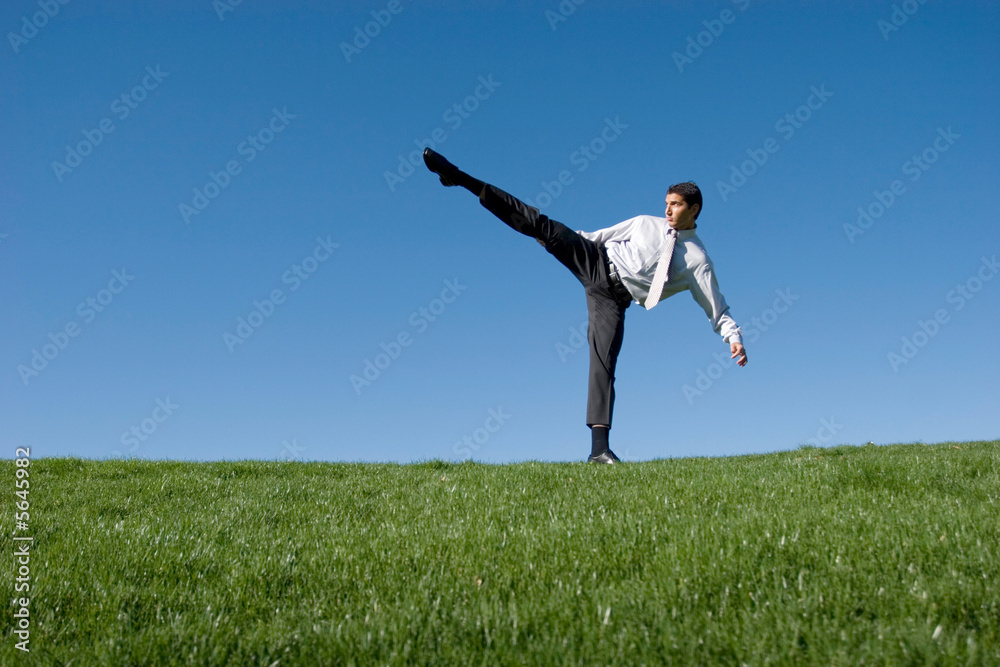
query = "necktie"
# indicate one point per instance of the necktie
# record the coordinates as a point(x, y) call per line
point(661, 276)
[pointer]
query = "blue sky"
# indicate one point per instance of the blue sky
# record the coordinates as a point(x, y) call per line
point(209, 225)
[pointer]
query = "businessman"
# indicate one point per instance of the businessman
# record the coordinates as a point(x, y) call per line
point(643, 259)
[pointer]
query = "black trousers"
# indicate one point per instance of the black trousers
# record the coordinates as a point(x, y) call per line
point(587, 261)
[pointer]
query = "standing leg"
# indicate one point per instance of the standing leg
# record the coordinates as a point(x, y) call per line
point(605, 331)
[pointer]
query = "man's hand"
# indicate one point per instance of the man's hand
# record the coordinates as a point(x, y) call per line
point(738, 351)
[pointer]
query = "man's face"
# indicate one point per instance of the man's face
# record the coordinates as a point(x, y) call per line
point(679, 214)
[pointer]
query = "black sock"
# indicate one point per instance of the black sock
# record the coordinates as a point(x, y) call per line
point(599, 440)
point(473, 185)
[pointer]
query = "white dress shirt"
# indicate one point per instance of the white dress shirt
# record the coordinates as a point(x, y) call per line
point(634, 246)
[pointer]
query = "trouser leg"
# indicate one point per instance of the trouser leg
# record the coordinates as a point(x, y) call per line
point(605, 331)
point(581, 256)
point(585, 260)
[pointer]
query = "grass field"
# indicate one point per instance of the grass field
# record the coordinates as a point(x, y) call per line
point(851, 555)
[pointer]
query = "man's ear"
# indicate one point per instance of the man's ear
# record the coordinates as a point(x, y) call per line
point(696, 209)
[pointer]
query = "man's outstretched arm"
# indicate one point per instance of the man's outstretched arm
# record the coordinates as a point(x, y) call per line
point(705, 290)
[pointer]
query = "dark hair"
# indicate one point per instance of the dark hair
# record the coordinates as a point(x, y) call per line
point(690, 192)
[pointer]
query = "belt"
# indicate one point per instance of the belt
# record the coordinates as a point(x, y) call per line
point(617, 286)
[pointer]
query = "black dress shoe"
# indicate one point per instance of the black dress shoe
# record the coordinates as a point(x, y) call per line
point(607, 456)
point(440, 166)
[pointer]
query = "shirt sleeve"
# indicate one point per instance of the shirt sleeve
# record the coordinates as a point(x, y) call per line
point(620, 232)
point(705, 290)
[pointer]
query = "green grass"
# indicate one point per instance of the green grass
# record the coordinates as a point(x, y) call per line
point(851, 555)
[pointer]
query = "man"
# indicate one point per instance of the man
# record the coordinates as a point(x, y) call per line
point(645, 259)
